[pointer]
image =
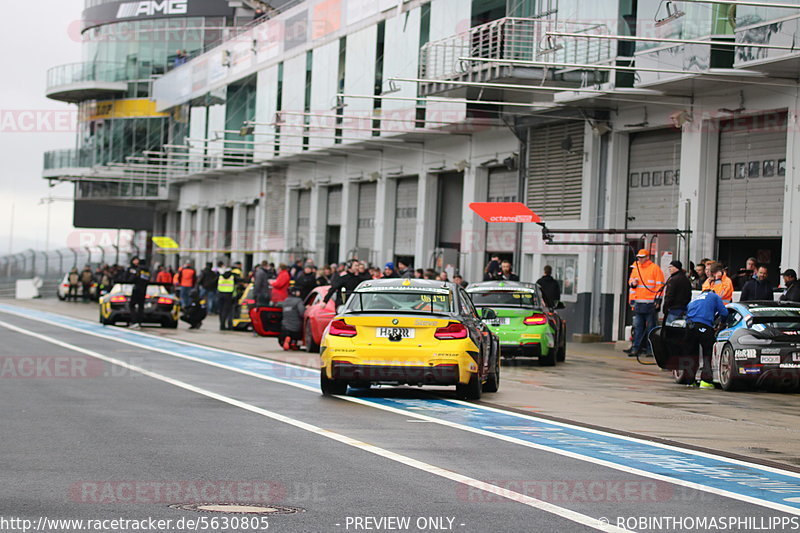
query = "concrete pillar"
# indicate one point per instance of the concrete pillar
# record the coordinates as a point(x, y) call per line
point(427, 198)
point(199, 237)
point(473, 227)
point(385, 211)
point(790, 246)
point(185, 235)
point(290, 221)
point(350, 209)
point(698, 184)
point(238, 240)
point(318, 221)
point(616, 197)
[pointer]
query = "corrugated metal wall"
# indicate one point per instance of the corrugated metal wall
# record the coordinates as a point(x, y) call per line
point(405, 232)
point(335, 205)
point(365, 236)
point(751, 177)
point(555, 174)
point(653, 175)
point(503, 187)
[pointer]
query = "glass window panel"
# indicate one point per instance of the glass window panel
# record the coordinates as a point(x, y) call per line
point(725, 171)
point(754, 169)
point(740, 171)
point(645, 179)
point(657, 178)
point(781, 167)
point(635, 179)
point(769, 168)
point(669, 177)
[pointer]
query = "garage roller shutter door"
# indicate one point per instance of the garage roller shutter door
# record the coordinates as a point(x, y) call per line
point(335, 206)
point(405, 235)
point(503, 187)
point(751, 177)
point(555, 175)
point(653, 175)
point(303, 215)
point(366, 215)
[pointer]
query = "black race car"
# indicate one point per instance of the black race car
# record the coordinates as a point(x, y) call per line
point(160, 307)
point(759, 343)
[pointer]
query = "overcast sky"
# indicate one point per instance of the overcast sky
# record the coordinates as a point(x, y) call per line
point(34, 36)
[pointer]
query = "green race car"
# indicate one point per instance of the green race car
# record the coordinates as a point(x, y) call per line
point(525, 326)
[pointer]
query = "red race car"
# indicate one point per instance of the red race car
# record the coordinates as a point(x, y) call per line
point(317, 317)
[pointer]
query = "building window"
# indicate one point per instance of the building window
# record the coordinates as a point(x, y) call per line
point(740, 171)
point(657, 178)
point(725, 172)
point(754, 169)
point(781, 167)
point(645, 179)
point(635, 179)
point(769, 168)
point(669, 177)
point(565, 271)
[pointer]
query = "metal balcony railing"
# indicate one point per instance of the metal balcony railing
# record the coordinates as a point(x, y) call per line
point(69, 158)
point(71, 73)
point(513, 38)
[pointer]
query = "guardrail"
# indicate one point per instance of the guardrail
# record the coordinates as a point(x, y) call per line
point(86, 71)
point(512, 38)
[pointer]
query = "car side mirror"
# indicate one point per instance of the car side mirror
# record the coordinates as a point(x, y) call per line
point(488, 313)
point(560, 305)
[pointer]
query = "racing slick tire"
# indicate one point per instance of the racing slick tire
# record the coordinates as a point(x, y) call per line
point(549, 359)
point(308, 340)
point(493, 380)
point(727, 370)
point(106, 322)
point(561, 355)
point(331, 387)
point(471, 390)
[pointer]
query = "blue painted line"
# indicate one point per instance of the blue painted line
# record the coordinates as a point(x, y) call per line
point(779, 489)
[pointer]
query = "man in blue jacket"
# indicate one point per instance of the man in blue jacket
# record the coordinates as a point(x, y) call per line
point(700, 315)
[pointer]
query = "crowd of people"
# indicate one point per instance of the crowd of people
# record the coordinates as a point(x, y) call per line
point(218, 288)
point(650, 292)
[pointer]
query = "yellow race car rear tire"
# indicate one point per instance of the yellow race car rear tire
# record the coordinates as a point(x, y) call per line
point(331, 387)
point(471, 390)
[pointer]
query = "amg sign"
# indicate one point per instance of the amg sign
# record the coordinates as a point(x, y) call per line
point(152, 7)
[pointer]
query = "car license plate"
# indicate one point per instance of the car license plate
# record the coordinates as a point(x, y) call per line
point(394, 333)
point(498, 321)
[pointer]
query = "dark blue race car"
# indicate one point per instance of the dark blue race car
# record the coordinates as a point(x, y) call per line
point(759, 343)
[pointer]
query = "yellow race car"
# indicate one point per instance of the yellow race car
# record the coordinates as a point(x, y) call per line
point(410, 332)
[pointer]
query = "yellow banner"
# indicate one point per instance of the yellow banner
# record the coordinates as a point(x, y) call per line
point(165, 242)
point(127, 108)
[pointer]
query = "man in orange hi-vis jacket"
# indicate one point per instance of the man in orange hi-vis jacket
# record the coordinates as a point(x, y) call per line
point(646, 284)
point(720, 283)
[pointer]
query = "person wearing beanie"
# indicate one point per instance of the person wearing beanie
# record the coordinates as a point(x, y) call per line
point(389, 271)
point(677, 292)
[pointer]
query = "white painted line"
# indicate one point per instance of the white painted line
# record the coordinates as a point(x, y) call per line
point(455, 425)
point(568, 514)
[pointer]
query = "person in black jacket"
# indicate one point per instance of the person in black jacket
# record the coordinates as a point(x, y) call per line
point(139, 275)
point(792, 292)
point(306, 280)
point(344, 284)
point(196, 312)
point(677, 292)
point(551, 290)
point(759, 288)
point(506, 274)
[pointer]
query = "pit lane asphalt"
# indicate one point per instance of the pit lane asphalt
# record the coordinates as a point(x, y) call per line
point(123, 426)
